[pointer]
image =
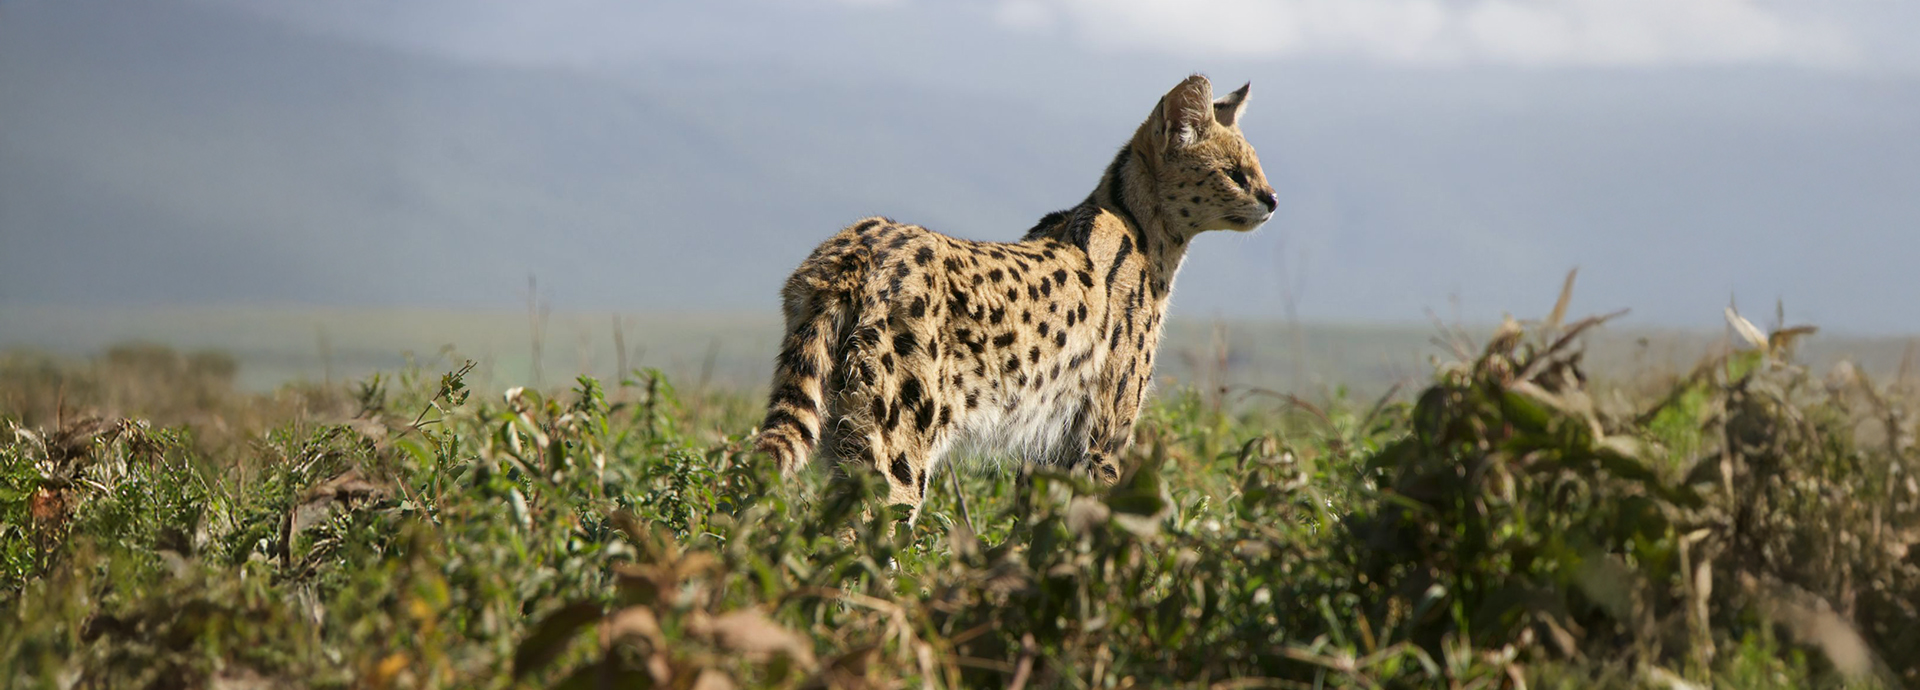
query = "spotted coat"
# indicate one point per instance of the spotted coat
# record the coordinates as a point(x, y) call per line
point(904, 345)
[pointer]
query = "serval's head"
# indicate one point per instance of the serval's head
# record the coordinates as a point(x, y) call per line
point(1205, 173)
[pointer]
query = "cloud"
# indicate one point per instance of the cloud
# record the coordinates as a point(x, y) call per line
point(1534, 33)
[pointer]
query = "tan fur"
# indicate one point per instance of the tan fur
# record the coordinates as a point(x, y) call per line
point(903, 343)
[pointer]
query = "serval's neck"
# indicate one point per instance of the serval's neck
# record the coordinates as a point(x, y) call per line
point(1128, 190)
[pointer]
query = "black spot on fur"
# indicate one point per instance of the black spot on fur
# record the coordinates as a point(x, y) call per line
point(900, 470)
point(1004, 339)
point(923, 256)
point(910, 392)
point(918, 308)
point(1047, 222)
point(1120, 256)
point(904, 343)
point(1113, 179)
point(923, 417)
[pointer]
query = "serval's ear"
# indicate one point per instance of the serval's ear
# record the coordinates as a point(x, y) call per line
point(1228, 108)
point(1185, 112)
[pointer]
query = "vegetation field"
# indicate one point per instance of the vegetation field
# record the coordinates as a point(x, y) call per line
point(700, 351)
point(1504, 521)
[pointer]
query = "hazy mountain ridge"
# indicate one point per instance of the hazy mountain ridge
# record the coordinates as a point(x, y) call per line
point(174, 152)
point(386, 177)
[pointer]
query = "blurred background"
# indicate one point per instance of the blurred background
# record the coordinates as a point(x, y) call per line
point(321, 189)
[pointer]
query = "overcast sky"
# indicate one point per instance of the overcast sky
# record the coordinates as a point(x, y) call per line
point(1428, 153)
point(1855, 35)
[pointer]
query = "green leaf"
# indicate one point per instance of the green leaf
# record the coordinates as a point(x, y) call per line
point(1525, 412)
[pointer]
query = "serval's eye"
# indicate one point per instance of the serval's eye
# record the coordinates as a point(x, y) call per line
point(1239, 177)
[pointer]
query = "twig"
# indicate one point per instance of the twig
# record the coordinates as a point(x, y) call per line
point(953, 472)
point(1293, 401)
point(444, 390)
point(1025, 667)
point(1380, 405)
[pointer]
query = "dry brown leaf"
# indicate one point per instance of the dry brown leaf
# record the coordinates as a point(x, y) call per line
point(850, 671)
point(751, 633)
point(1812, 620)
point(1746, 329)
point(713, 680)
point(1784, 339)
point(633, 621)
point(1559, 314)
point(1086, 514)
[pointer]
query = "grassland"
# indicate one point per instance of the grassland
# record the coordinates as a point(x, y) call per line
point(1504, 521)
point(273, 346)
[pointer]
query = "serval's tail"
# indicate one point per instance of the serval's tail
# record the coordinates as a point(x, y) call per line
point(797, 408)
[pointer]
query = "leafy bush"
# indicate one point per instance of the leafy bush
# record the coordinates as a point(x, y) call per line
point(1749, 527)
